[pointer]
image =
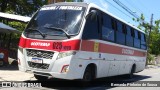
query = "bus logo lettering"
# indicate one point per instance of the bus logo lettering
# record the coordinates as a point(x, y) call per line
point(40, 44)
point(128, 51)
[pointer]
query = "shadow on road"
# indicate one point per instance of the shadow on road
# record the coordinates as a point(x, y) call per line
point(103, 82)
point(9, 67)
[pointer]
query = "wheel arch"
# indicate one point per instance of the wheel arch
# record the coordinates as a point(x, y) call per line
point(134, 67)
point(93, 66)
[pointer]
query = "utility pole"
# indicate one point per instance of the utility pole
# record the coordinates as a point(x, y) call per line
point(150, 29)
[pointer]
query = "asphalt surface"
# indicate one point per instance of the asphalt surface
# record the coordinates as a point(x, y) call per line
point(149, 79)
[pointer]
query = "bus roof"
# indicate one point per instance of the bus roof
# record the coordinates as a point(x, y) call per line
point(97, 7)
point(70, 3)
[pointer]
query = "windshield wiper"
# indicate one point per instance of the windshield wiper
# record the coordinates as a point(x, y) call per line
point(59, 29)
point(32, 29)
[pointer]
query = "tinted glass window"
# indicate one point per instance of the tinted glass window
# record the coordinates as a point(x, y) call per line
point(55, 21)
point(132, 32)
point(124, 29)
point(107, 31)
point(129, 40)
point(136, 33)
point(107, 34)
point(120, 38)
point(136, 43)
point(129, 36)
point(143, 37)
point(119, 26)
point(107, 21)
point(90, 29)
point(128, 31)
point(143, 45)
point(114, 24)
point(143, 41)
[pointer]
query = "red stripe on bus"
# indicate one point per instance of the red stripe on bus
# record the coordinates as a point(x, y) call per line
point(50, 45)
point(86, 45)
point(110, 49)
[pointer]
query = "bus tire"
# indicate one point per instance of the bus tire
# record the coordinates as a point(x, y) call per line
point(131, 74)
point(40, 78)
point(88, 75)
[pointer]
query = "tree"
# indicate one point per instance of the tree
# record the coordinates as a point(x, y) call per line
point(154, 46)
point(21, 7)
point(155, 39)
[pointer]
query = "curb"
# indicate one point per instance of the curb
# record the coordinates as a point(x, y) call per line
point(152, 66)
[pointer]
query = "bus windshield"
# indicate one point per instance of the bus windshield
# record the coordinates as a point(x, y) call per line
point(55, 22)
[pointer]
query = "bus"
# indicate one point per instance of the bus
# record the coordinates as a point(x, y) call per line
point(80, 41)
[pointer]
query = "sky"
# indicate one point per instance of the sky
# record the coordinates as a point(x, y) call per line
point(147, 7)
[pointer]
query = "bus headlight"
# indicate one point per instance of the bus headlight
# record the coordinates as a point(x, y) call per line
point(65, 54)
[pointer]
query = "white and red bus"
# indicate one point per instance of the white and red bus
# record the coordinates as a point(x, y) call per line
point(80, 41)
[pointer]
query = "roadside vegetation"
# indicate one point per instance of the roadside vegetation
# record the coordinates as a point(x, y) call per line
point(154, 43)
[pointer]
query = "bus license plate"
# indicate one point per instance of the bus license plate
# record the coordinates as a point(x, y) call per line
point(37, 60)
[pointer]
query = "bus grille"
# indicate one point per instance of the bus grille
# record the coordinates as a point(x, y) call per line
point(39, 54)
point(38, 65)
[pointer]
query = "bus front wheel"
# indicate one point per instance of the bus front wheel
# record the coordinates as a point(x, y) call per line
point(88, 75)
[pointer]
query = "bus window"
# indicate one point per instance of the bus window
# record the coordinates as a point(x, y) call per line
point(132, 32)
point(139, 35)
point(124, 29)
point(119, 26)
point(129, 37)
point(136, 34)
point(107, 31)
point(143, 41)
point(106, 20)
point(120, 36)
point(114, 24)
point(136, 39)
point(91, 29)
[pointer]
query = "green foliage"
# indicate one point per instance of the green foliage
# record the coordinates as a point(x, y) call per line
point(18, 25)
point(155, 39)
point(150, 58)
point(154, 45)
point(21, 7)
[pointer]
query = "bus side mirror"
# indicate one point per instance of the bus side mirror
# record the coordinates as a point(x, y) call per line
point(92, 15)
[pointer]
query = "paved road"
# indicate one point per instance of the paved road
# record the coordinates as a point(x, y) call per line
point(150, 75)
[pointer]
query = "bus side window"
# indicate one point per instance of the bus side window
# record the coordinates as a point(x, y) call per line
point(107, 28)
point(91, 29)
point(143, 41)
point(129, 36)
point(114, 24)
point(120, 35)
point(136, 39)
